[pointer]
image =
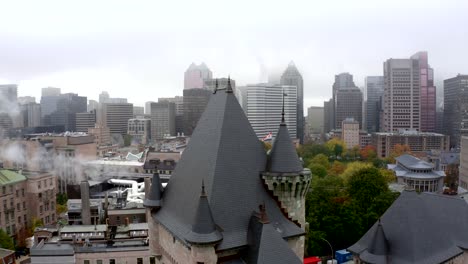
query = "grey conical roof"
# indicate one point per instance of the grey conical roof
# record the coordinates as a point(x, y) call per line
point(225, 152)
point(154, 198)
point(283, 156)
point(378, 249)
point(204, 229)
point(266, 246)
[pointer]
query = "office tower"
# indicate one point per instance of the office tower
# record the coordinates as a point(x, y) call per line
point(67, 106)
point(138, 111)
point(195, 101)
point(140, 130)
point(348, 104)
point(103, 97)
point(163, 116)
point(374, 92)
point(115, 116)
point(328, 116)
point(196, 75)
point(30, 114)
point(86, 120)
point(342, 81)
point(148, 107)
point(456, 108)
point(427, 92)
point(9, 111)
point(49, 98)
point(409, 92)
point(264, 106)
point(210, 84)
point(315, 122)
point(292, 77)
point(241, 95)
point(179, 104)
point(26, 100)
point(92, 105)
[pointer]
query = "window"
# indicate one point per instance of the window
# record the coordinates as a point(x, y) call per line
point(3, 189)
point(139, 260)
point(22, 192)
point(152, 260)
point(111, 261)
point(24, 205)
point(17, 193)
point(40, 209)
point(19, 220)
point(39, 184)
point(86, 261)
point(99, 261)
point(18, 206)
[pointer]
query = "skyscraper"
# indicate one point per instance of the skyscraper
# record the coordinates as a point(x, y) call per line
point(103, 97)
point(348, 104)
point(342, 81)
point(195, 101)
point(31, 114)
point(456, 108)
point(428, 92)
point(9, 110)
point(49, 98)
point(179, 115)
point(374, 91)
point(264, 106)
point(67, 106)
point(408, 91)
point(85, 121)
point(93, 105)
point(115, 116)
point(196, 75)
point(148, 107)
point(292, 77)
point(163, 116)
point(328, 116)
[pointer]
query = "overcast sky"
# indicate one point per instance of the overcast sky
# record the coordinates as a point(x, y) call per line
point(140, 49)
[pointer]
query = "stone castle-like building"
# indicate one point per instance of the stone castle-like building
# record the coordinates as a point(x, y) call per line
point(229, 201)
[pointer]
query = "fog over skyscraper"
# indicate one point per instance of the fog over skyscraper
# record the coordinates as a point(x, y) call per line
point(456, 108)
point(196, 75)
point(292, 76)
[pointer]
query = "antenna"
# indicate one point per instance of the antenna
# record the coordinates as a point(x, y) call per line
point(282, 110)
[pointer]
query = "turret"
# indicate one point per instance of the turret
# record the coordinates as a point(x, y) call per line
point(154, 200)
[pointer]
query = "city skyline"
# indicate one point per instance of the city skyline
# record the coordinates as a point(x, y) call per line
point(149, 54)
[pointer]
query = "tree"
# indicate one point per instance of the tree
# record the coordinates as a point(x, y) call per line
point(365, 184)
point(321, 159)
point(397, 151)
point(127, 140)
point(352, 168)
point(369, 152)
point(388, 175)
point(337, 168)
point(336, 146)
point(6, 241)
point(318, 170)
point(308, 151)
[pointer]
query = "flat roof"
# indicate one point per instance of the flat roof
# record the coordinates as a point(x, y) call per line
point(83, 228)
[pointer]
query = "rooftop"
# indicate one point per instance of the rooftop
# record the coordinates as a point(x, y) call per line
point(411, 162)
point(10, 177)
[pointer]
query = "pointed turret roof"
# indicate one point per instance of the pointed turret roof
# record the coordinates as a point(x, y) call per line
point(154, 199)
point(204, 229)
point(378, 248)
point(266, 246)
point(283, 155)
point(225, 152)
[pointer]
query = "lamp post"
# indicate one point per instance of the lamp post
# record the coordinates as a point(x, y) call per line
point(331, 248)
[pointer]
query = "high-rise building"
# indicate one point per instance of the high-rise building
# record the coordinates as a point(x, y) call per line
point(348, 104)
point(179, 118)
point(49, 98)
point(315, 120)
point(292, 77)
point(428, 92)
point(93, 105)
point(342, 81)
point(264, 107)
point(196, 75)
point(26, 99)
point(30, 115)
point(138, 111)
point(328, 115)
point(163, 116)
point(148, 107)
point(350, 133)
point(374, 93)
point(67, 106)
point(195, 101)
point(210, 84)
point(456, 108)
point(9, 110)
point(103, 97)
point(85, 121)
point(408, 92)
point(115, 116)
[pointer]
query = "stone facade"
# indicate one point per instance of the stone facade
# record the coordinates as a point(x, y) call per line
point(290, 190)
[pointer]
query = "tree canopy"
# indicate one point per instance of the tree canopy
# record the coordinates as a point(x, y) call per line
point(6, 241)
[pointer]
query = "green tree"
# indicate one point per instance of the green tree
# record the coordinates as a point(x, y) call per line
point(352, 168)
point(6, 241)
point(309, 151)
point(318, 170)
point(62, 198)
point(321, 159)
point(337, 168)
point(365, 184)
point(336, 146)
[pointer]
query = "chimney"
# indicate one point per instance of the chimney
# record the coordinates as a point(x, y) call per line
point(85, 204)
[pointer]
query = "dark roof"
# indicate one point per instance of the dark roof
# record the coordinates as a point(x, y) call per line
point(224, 152)
point(204, 228)
point(378, 247)
point(154, 199)
point(412, 162)
point(283, 155)
point(266, 244)
point(419, 228)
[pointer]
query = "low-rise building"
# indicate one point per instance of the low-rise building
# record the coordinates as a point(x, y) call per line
point(418, 174)
point(463, 174)
point(7, 256)
point(417, 141)
point(350, 132)
point(140, 130)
